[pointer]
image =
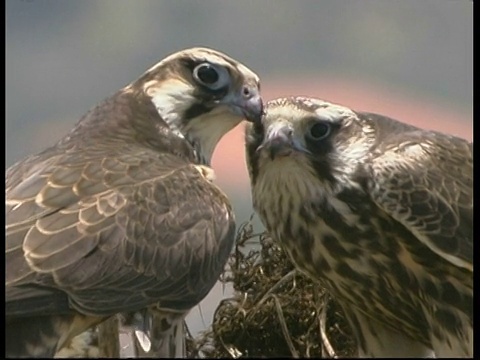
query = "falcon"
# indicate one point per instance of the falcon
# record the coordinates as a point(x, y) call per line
point(121, 214)
point(379, 212)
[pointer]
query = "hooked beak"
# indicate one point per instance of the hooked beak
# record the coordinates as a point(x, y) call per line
point(280, 142)
point(246, 103)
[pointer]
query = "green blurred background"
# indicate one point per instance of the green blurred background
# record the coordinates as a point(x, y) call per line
point(409, 59)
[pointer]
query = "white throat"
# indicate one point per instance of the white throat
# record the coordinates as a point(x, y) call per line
point(205, 131)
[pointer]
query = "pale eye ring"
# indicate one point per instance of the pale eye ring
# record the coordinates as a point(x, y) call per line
point(319, 131)
point(212, 76)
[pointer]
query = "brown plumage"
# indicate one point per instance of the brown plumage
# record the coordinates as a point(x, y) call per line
point(380, 212)
point(121, 214)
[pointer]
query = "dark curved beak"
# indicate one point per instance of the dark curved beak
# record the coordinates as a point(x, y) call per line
point(280, 142)
point(253, 109)
point(247, 103)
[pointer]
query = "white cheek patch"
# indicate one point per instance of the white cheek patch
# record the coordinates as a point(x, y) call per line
point(346, 159)
point(171, 98)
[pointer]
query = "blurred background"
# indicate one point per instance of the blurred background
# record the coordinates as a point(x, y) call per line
point(408, 59)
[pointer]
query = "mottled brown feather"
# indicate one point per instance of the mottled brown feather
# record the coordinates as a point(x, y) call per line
point(117, 216)
point(156, 225)
point(380, 212)
point(432, 197)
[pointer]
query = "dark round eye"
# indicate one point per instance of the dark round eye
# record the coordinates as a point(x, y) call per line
point(319, 131)
point(212, 76)
point(206, 74)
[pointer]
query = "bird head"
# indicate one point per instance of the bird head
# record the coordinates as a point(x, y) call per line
point(201, 94)
point(306, 143)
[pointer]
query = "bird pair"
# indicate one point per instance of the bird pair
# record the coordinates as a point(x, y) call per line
point(122, 216)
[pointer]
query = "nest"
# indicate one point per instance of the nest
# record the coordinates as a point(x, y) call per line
point(275, 311)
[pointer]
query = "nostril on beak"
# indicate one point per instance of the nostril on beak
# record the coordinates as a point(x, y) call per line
point(250, 102)
point(247, 93)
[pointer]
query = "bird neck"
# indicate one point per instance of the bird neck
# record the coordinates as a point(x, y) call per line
point(201, 153)
point(202, 132)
